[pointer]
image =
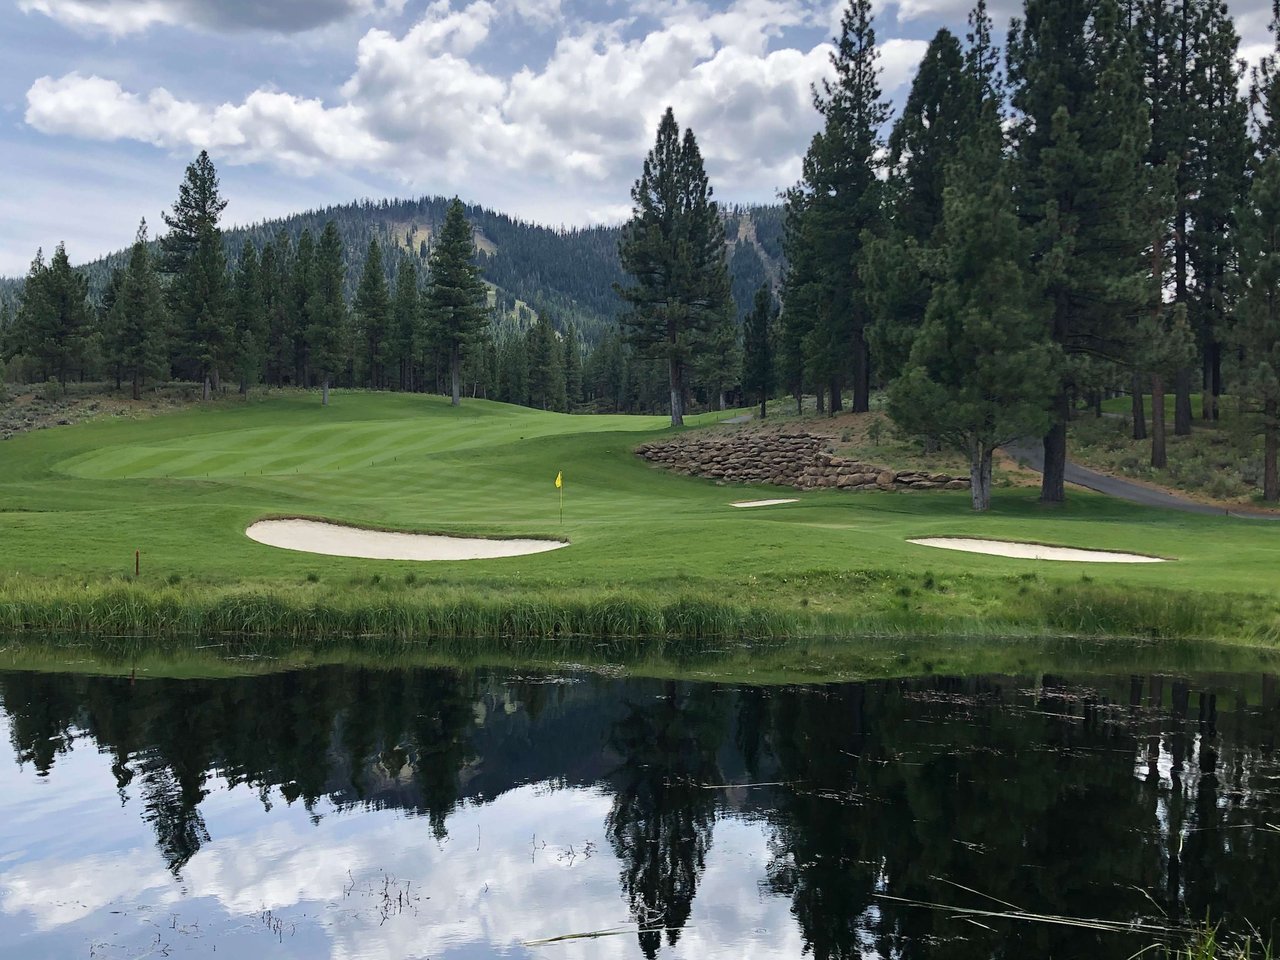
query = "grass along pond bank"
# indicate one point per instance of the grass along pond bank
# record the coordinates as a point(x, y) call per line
point(650, 553)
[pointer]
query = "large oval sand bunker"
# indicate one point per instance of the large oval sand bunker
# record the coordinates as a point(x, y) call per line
point(336, 540)
point(1032, 551)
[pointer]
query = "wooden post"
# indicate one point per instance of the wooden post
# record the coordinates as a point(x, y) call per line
point(137, 563)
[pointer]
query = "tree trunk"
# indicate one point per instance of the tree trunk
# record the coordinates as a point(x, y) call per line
point(244, 386)
point(1053, 482)
point(675, 379)
point(217, 380)
point(324, 392)
point(763, 408)
point(1139, 414)
point(1159, 456)
point(799, 403)
point(137, 386)
point(980, 476)
point(1097, 404)
point(1211, 381)
point(837, 400)
point(1215, 378)
point(722, 405)
point(1182, 403)
point(207, 393)
point(1270, 443)
point(455, 374)
point(861, 374)
point(822, 400)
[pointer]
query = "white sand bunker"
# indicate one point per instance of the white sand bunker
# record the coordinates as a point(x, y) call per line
point(335, 540)
point(761, 503)
point(1032, 551)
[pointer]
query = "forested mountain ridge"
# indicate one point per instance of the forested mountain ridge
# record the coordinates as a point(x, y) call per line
point(567, 273)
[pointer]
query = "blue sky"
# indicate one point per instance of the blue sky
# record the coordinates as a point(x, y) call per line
point(539, 108)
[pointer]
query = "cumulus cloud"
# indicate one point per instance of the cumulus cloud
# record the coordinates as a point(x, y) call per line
point(419, 108)
point(121, 17)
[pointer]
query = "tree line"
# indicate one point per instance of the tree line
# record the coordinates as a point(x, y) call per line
point(1096, 209)
point(342, 297)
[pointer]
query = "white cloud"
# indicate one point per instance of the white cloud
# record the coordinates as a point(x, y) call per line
point(418, 107)
point(898, 62)
point(120, 17)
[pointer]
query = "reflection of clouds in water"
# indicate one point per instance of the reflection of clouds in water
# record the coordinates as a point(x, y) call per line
point(56, 894)
point(88, 855)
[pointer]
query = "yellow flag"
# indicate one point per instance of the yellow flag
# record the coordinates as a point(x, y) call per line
point(559, 481)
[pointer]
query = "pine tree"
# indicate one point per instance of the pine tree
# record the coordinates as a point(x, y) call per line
point(513, 369)
point(572, 369)
point(546, 366)
point(275, 270)
point(53, 316)
point(1264, 92)
point(1256, 332)
point(1223, 154)
point(839, 200)
point(673, 248)
point(107, 330)
point(373, 307)
point(940, 109)
point(326, 310)
point(297, 308)
point(206, 302)
point(199, 205)
point(717, 360)
point(194, 259)
point(758, 349)
point(406, 317)
point(456, 299)
point(248, 319)
point(981, 369)
point(139, 318)
point(1080, 143)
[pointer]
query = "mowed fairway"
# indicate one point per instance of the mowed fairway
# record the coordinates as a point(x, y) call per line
point(76, 502)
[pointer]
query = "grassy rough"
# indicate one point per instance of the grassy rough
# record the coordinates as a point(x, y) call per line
point(652, 554)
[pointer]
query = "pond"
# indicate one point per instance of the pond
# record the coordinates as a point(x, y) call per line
point(344, 812)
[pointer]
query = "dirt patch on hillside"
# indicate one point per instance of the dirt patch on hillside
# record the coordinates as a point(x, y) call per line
point(42, 408)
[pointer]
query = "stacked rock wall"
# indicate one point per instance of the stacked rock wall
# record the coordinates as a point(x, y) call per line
point(799, 460)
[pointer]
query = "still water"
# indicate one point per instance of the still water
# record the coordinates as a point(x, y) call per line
point(354, 813)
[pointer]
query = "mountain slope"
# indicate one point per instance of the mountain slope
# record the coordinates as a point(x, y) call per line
point(566, 274)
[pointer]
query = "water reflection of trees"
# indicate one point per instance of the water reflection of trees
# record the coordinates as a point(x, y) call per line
point(664, 805)
point(1056, 797)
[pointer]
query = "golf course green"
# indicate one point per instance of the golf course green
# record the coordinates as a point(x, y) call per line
point(650, 553)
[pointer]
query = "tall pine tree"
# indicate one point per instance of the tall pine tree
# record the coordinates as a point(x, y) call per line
point(456, 299)
point(758, 349)
point(248, 318)
point(980, 372)
point(838, 201)
point(373, 308)
point(195, 262)
point(673, 248)
point(1080, 141)
point(326, 310)
point(139, 318)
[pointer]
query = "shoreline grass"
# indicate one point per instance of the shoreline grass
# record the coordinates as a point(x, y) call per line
point(890, 605)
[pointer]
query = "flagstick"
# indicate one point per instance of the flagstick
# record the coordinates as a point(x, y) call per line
point(562, 505)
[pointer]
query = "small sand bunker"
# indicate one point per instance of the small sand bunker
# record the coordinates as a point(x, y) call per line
point(335, 540)
point(1032, 551)
point(761, 503)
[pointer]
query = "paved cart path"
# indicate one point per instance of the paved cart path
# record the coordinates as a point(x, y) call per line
point(1031, 453)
